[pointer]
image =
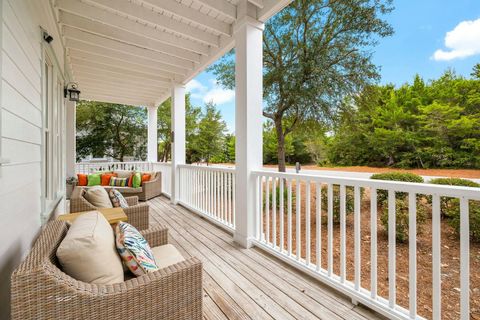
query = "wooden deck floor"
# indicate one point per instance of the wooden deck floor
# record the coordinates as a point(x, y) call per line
point(249, 284)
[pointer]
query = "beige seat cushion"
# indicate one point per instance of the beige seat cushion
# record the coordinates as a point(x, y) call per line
point(98, 197)
point(166, 256)
point(88, 252)
point(123, 173)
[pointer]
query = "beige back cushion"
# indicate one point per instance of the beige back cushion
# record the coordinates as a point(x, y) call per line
point(123, 173)
point(88, 252)
point(98, 197)
point(166, 255)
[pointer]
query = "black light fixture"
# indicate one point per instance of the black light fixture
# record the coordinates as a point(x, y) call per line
point(73, 93)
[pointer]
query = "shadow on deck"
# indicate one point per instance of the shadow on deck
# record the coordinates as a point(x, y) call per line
point(249, 284)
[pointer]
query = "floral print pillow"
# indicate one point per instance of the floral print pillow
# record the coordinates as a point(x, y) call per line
point(134, 250)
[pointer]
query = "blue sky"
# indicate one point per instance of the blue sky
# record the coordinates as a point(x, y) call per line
point(430, 36)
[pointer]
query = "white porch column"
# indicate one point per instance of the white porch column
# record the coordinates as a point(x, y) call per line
point(70, 137)
point(248, 124)
point(178, 138)
point(152, 138)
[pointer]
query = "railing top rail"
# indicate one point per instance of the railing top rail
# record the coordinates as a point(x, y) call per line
point(207, 168)
point(398, 186)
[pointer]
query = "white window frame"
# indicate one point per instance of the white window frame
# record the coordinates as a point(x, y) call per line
point(53, 105)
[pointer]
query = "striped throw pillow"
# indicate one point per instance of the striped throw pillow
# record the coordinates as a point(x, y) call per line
point(118, 182)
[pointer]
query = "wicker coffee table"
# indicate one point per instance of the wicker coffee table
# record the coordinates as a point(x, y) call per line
point(113, 215)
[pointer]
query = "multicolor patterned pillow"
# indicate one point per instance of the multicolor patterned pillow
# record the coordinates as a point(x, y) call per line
point(117, 199)
point(118, 182)
point(134, 250)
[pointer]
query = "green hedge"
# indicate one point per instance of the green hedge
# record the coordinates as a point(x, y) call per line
point(401, 203)
point(450, 207)
point(349, 201)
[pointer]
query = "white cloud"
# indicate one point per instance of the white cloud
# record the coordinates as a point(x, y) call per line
point(219, 96)
point(195, 85)
point(463, 41)
point(212, 93)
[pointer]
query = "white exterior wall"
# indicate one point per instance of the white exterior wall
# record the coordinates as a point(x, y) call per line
point(21, 133)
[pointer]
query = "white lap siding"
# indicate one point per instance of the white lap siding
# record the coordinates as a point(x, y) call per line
point(21, 131)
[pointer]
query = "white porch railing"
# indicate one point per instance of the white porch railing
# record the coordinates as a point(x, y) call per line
point(166, 169)
point(89, 167)
point(209, 191)
point(289, 204)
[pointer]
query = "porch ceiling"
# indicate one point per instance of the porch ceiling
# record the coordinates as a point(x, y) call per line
point(132, 51)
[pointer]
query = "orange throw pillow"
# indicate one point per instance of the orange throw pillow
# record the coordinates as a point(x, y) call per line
point(82, 179)
point(106, 178)
point(146, 177)
point(130, 181)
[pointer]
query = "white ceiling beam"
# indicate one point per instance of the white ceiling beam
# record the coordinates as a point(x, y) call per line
point(221, 6)
point(114, 93)
point(85, 56)
point(99, 41)
point(88, 74)
point(271, 7)
point(102, 29)
point(120, 84)
point(162, 21)
point(124, 93)
point(121, 71)
point(89, 82)
point(125, 101)
point(192, 15)
point(257, 3)
point(105, 52)
point(108, 18)
point(115, 74)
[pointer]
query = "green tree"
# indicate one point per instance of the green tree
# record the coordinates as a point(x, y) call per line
point(427, 125)
point(192, 115)
point(112, 130)
point(315, 53)
point(209, 142)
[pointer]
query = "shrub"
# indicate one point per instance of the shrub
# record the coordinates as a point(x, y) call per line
point(349, 201)
point(450, 207)
point(395, 176)
point(285, 194)
point(401, 203)
point(401, 218)
point(474, 219)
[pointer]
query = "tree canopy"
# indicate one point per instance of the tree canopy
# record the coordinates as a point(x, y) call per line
point(423, 125)
point(315, 53)
point(111, 130)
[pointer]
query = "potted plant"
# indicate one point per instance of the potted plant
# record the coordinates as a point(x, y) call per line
point(71, 183)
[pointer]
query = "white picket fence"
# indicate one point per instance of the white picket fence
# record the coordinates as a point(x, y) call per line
point(209, 191)
point(288, 203)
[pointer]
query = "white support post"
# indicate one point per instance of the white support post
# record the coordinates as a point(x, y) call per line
point(178, 139)
point(248, 122)
point(152, 138)
point(70, 137)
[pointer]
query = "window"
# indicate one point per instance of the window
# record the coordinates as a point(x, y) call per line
point(54, 126)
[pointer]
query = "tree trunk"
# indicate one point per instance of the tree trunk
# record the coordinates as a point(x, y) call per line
point(280, 145)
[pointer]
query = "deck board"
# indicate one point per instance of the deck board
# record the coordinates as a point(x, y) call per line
point(248, 283)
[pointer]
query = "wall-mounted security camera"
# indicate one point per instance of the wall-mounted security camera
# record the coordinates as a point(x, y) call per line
point(48, 38)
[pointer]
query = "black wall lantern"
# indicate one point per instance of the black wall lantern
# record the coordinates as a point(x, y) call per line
point(73, 93)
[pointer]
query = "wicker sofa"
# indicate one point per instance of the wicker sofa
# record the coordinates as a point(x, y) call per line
point(41, 290)
point(148, 190)
point(137, 213)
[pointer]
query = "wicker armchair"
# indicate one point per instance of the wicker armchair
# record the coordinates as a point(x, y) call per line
point(137, 213)
point(152, 188)
point(40, 290)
